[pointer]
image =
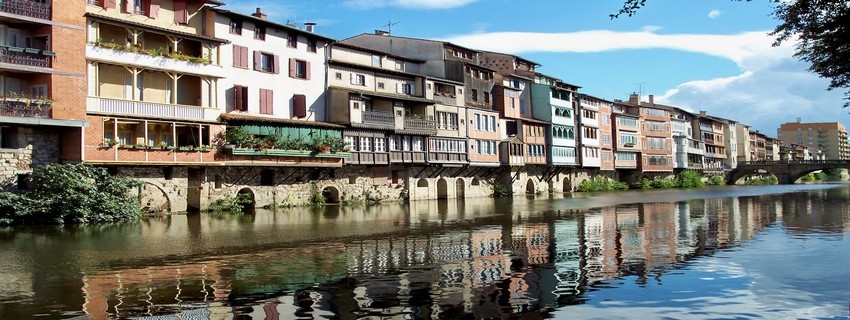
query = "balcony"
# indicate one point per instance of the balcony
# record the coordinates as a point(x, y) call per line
point(25, 56)
point(123, 56)
point(26, 8)
point(446, 98)
point(378, 118)
point(420, 125)
point(25, 107)
point(140, 108)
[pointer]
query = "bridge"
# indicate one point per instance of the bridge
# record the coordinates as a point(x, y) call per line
point(787, 172)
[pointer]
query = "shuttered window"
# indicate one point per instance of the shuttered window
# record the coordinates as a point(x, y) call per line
point(181, 12)
point(266, 62)
point(108, 4)
point(240, 56)
point(151, 8)
point(299, 106)
point(266, 101)
point(299, 69)
point(240, 98)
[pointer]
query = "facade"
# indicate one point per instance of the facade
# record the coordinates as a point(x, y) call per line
point(605, 133)
point(688, 150)
point(590, 135)
point(42, 86)
point(627, 136)
point(712, 132)
point(829, 137)
point(152, 83)
point(553, 102)
point(742, 135)
point(656, 140)
point(730, 133)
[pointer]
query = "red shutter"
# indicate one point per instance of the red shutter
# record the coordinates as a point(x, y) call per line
point(270, 101)
point(262, 101)
point(244, 99)
point(307, 70)
point(291, 68)
point(238, 58)
point(276, 64)
point(128, 6)
point(151, 8)
point(243, 58)
point(108, 4)
point(237, 98)
point(258, 61)
point(299, 106)
point(181, 12)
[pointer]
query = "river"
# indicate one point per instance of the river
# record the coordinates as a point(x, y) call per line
point(722, 252)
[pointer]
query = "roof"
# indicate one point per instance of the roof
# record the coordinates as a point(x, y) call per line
point(445, 43)
point(515, 57)
point(375, 69)
point(383, 95)
point(267, 119)
point(147, 26)
point(535, 121)
point(557, 79)
point(593, 97)
point(273, 24)
point(370, 50)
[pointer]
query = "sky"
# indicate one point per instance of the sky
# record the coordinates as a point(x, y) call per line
point(699, 55)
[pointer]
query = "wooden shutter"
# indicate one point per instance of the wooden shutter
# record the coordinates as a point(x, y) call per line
point(258, 61)
point(292, 73)
point(307, 70)
point(244, 99)
point(181, 12)
point(108, 4)
point(299, 106)
point(276, 64)
point(243, 57)
point(264, 101)
point(151, 8)
point(238, 99)
point(237, 56)
point(128, 6)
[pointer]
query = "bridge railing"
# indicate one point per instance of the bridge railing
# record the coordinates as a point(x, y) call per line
point(783, 162)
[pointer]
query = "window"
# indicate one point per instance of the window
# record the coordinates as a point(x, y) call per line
point(446, 145)
point(626, 156)
point(590, 133)
point(235, 26)
point(447, 120)
point(658, 161)
point(292, 40)
point(267, 62)
point(266, 101)
point(590, 114)
point(260, 32)
point(655, 112)
point(376, 60)
point(535, 150)
point(474, 94)
point(380, 85)
point(406, 88)
point(625, 121)
point(655, 126)
point(399, 66)
point(486, 147)
point(138, 6)
point(338, 75)
point(656, 143)
point(358, 79)
point(417, 143)
point(311, 45)
point(240, 56)
point(299, 69)
point(352, 143)
point(628, 138)
point(380, 145)
point(606, 138)
point(365, 144)
point(487, 98)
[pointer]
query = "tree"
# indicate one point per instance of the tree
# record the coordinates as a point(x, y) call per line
point(821, 28)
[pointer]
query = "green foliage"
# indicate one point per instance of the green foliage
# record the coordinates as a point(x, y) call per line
point(657, 183)
point(71, 194)
point(597, 184)
point(820, 176)
point(757, 181)
point(239, 137)
point(230, 204)
point(316, 197)
point(644, 184)
point(689, 179)
point(716, 181)
point(500, 190)
point(807, 178)
point(833, 175)
point(372, 197)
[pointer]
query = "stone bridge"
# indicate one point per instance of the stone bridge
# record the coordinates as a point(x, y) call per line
point(787, 172)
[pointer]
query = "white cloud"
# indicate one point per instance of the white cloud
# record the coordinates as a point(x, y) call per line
point(713, 14)
point(407, 4)
point(773, 87)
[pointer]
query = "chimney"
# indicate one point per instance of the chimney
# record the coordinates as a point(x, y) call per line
point(634, 98)
point(703, 114)
point(259, 14)
point(651, 100)
point(310, 26)
point(382, 32)
point(799, 120)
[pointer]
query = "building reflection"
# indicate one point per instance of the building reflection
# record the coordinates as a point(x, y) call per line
point(514, 264)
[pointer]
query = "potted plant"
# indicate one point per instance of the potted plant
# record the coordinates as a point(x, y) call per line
point(320, 144)
point(163, 145)
point(108, 143)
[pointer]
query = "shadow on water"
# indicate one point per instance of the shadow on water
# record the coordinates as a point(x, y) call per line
point(525, 257)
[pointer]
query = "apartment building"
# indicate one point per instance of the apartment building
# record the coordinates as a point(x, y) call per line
point(742, 138)
point(42, 85)
point(590, 135)
point(711, 130)
point(656, 140)
point(730, 133)
point(627, 135)
point(451, 62)
point(606, 133)
point(829, 137)
point(152, 82)
point(553, 102)
point(380, 98)
point(688, 150)
point(450, 145)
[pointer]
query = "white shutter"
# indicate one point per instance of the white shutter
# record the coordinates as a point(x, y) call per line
point(353, 78)
point(398, 88)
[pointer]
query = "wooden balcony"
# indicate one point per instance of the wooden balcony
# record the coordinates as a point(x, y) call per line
point(27, 8)
point(378, 118)
point(420, 125)
point(139, 108)
point(25, 56)
point(22, 107)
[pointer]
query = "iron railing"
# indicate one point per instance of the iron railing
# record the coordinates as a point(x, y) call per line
point(20, 107)
point(24, 56)
point(27, 8)
point(377, 117)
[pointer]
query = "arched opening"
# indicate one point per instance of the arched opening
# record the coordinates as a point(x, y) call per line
point(460, 188)
point(442, 189)
point(475, 182)
point(248, 194)
point(331, 195)
point(153, 199)
point(568, 185)
point(529, 187)
point(422, 183)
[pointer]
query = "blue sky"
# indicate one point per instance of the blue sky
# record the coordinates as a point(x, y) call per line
point(712, 55)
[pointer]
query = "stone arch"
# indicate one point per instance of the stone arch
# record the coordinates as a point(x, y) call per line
point(153, 198)
point(331, 195)
point(422, 183)
point(529, 187)
point(739, 175)
point(460, 188)
point(250, 193)
point(475, 182)
point(442, 188)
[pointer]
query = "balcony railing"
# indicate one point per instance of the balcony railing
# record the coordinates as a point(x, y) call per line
point(25, 56)
point(27, 8)
point(20, 107)
point(145, 108)
point(377, 117)
point(419, 124)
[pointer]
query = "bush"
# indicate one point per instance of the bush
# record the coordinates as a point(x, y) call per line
point(820, 176)
point(597, 184)
point(689, 179)
point(500, 190)
point(316, 196)
point(71, 194)
point(807, 178)
point(833, 175)
point(716, 181)
point(644, 184)
point(764, 181)
point(230, 204)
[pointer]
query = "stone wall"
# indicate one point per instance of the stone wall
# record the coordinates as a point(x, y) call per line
point(33, 147)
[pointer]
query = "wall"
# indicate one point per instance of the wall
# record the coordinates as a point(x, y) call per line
point(35, 147)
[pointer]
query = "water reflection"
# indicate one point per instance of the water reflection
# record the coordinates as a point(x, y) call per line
point(449, 259)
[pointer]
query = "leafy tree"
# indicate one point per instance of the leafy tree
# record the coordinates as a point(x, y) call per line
point(821, 28)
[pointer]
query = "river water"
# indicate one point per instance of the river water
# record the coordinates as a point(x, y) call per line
point(726, 252)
